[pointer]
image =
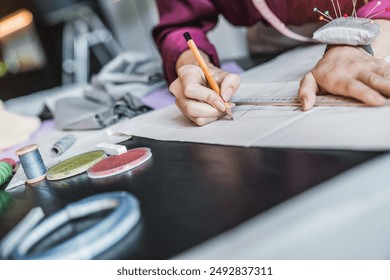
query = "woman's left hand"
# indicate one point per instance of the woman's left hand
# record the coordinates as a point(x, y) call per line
point(347, 71)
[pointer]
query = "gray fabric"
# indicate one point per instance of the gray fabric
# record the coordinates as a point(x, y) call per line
point(76, 113)
point(114, 92)
point(79, 114)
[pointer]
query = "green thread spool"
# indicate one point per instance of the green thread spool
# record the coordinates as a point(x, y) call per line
point(5, 172)
point(5, 200)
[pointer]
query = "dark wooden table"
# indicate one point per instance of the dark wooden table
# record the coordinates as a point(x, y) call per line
point(188, 192)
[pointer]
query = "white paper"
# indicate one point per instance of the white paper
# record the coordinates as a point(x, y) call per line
point(357, 128)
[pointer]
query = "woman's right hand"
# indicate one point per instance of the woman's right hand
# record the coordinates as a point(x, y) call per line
point(196, 99)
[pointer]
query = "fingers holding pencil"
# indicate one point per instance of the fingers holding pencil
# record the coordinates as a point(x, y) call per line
point(195, 99)
point(209, 77)
point(194, 86)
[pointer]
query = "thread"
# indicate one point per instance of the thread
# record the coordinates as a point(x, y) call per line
point(62, 145)
point(5, 200)
point(5, 172)
point(32, 163)
point(10, 161)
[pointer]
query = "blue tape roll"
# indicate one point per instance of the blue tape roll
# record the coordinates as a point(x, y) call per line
point(89, 244)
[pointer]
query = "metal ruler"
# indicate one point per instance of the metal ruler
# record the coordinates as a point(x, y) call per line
point(321, 100)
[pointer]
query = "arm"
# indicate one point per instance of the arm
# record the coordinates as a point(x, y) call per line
point(351, 71)
point(193, 96)
point(177, 17)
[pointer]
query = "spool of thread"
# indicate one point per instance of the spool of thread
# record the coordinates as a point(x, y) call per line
point(5, 201)
point(5, 172)
point(62, 145)
point(10, 161)
point(32, 163)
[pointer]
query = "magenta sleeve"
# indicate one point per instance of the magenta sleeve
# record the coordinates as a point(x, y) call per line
point(179, 16)
point(382, 11)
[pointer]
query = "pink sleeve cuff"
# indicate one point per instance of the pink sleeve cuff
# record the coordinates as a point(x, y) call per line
point(174, 44)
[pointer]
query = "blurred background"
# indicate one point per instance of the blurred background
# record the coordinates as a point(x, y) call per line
point(48, 43)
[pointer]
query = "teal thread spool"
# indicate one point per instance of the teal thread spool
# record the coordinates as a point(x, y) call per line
point(5, 172)
point(5, 201)
point(32, 163)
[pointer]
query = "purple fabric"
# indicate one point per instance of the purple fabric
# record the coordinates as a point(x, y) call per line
point(159, 98)
point(232, 67)
point(200, 16)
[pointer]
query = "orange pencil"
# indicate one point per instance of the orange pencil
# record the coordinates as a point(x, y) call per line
point(191, 44)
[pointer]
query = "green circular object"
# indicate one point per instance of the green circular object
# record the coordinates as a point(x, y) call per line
point(6, 166)
point(74, 165)
point(5, 172)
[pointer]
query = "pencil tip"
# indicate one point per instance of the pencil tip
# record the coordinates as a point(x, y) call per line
point(229, 113)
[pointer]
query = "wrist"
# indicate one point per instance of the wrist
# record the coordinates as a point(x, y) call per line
point(187, 57)
point(367, 48)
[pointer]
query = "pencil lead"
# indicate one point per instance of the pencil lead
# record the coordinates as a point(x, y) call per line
point(229, 112)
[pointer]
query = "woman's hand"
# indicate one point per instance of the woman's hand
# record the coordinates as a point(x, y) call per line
point(196, 99)
point(351, 71)
point(347, 71)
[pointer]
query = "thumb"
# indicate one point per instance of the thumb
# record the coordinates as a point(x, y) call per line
point(307, 92)
point(229, 85)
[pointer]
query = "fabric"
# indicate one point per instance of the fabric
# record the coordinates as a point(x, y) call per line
point(200, 16)
point(114, 92)
point(15, 129)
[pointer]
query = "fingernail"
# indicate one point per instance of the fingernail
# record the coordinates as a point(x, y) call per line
point(232, 105)
point(379, 100)
point(227, 94)
point(220, 106)
point(305, 103)
point(382, 99)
